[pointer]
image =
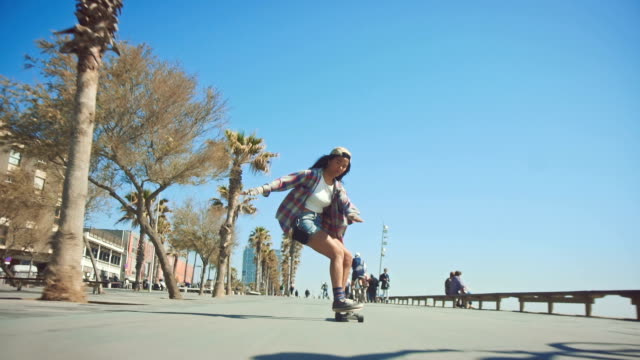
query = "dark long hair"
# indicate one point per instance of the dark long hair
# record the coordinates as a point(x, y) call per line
point(324, 161)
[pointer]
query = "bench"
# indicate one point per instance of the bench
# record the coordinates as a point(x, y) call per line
point(569, 297)
point(96, 285)
point(19, 282)
point(194, 289)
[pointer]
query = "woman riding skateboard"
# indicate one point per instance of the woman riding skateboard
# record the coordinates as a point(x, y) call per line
point(317, 212)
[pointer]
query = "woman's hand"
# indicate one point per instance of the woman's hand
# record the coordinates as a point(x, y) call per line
point(355, 218)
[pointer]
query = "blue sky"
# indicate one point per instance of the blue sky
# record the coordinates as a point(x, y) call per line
point(498, 138)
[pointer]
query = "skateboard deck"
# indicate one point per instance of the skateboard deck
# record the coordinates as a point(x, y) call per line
point(345, 316)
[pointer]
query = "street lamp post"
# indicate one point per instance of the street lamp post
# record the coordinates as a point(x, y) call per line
point(383, 242)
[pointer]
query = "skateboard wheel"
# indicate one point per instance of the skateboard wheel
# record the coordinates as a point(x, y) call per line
point(360, 318)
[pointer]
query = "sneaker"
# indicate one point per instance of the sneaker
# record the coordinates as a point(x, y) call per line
point(346, 305)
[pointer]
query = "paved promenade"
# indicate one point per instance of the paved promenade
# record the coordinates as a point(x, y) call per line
point(126, 325)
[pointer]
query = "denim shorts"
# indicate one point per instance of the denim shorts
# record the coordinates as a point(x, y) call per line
point(309, 222)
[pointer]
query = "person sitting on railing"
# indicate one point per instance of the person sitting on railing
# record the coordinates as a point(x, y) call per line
point(458, 287)
point(447, 284)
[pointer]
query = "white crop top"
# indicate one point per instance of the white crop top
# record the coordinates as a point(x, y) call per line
point(320, 198)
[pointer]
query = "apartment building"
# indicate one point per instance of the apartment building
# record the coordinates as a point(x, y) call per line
point(30, 213)
point(30, 208)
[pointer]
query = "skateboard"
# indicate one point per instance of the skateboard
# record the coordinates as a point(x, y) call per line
point(345, 316)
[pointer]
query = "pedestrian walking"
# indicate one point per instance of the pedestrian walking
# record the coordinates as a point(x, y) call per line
point(385, 283)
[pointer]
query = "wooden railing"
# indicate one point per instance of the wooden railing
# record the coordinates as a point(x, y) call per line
point(572, 297)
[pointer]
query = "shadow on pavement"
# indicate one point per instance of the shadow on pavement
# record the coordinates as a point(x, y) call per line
point(576, 350)
point(312, 356)
point(228, 316)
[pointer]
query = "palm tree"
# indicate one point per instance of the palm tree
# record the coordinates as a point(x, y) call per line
point(177, 252)
point(244, 207)
point(130, 217)
point(163, 227)
point(264, 268)
point(243, 150)
point(93, 36)
point(291, 252)
point(270, 270)
point(260, 240)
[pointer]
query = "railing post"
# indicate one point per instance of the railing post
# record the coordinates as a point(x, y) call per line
point(521, 304)
point(550, 307)
point(636, 301)
point(498, 304)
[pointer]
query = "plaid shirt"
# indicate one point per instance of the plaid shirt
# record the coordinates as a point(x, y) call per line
point(334, 216)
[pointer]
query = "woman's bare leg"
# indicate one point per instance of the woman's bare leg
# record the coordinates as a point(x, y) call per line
point(347, 260)
point(337, 254)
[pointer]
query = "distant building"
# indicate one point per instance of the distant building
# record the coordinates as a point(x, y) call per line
point(248, 266)
point(115, 252)
point(109, 252)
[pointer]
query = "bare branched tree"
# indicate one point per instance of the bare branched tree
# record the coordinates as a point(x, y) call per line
point(154, 129)
point(26, 215)
point(197, 227)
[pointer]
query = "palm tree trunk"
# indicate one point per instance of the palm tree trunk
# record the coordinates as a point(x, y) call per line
point(139, 261)
point(226, 230)
point(222, 266)
point(63, 277)
point(229, 275)
point(175, 263)
point(193, 268)
point(258, 262)
point(186, 265)
point(204, 265)
point(291, 261)
point(268, 287)
point(156, 271)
